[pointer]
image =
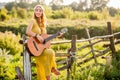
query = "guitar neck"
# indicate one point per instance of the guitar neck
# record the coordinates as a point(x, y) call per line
point(51, 37)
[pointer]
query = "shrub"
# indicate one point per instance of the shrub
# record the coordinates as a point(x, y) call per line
point(14, 12)
point(3, 14)
point(105, 13)
point(57, 14)
point(10, 42)
point(93, 15)
point(3, 17)
point(22, 13)
point(9, 6)
point(4, 63)
point(79, 15)
point(67, 12)
point(7, 65)
point(48, 11)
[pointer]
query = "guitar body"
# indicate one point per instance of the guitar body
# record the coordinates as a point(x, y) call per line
point(35, 47)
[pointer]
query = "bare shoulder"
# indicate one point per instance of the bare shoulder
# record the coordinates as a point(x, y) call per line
point(32, 20)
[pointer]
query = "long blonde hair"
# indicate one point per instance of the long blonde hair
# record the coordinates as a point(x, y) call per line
point(42, 20)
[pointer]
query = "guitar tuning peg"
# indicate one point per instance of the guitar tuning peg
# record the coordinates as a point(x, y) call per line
point(64, 30)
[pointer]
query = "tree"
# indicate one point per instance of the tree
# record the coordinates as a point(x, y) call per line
point(3, 14)
point(98, 4)
point(41, 1)
point(74, 5)
point(113, 11)
point(83, 4)
point(14, 12)
point(9, 5)
point(56, 4)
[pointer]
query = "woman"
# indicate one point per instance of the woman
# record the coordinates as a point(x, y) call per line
point(45, 63)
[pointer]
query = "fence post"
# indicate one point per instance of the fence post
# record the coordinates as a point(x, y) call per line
point(112, 44)
point(26, 62)
point(72, 53)
point(19, 73)
point(88, 34)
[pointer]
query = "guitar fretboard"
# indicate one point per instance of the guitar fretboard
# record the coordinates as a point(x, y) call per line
point(51, 37)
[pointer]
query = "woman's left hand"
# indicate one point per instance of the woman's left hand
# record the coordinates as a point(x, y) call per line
point(60, 35)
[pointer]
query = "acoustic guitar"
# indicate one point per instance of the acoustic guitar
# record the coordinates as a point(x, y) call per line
point(36, 48)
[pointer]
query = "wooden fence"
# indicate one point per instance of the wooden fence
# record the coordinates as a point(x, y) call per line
point(71, 55)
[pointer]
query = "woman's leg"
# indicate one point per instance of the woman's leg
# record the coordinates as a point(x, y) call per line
point(55, 71)
point(53, 64)
point(52, 61)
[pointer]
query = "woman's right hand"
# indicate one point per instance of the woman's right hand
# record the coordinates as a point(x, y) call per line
point(40, 38)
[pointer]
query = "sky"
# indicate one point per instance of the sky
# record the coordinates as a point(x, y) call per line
point(112, 3)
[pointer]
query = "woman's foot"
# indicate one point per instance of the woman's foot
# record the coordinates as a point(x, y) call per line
point(55, 71)
point(47, 77)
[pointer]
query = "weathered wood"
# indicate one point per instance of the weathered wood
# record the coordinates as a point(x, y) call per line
point(92, 50)
point(112, 44)
point(73, 43)
point(62, 62)
point(97, 55)
point(19, 73)
point(26, 63)
point(102, 52)
point(71, 58)
point(61, 54)
point(82, 47)
point(60, 42)
point(63, 68)
point(116, 42)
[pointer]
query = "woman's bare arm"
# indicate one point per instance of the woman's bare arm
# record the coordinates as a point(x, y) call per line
point(32, 34)
point(29, 28)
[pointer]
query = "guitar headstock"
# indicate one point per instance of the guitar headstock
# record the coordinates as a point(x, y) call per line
point(64, 30)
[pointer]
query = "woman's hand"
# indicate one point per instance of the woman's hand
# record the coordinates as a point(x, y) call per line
point(40, 38)
point(60, 35)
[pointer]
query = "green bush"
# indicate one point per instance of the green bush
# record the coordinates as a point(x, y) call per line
point(10, 42)
point(48, 11)
point(14, 12)
point(3, 17)
point(72, 30)
point(3, 14)
point(16, 28)
point(9, 6)
point(10, 52)
point(7, 64)
point(113, 73)
point(105, 14)
point(93, 15)
point(57, 14)
point(22, 13)
point(79, 15)
point(67, 12)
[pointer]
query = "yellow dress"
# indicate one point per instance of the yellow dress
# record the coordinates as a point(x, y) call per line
point(46, 60)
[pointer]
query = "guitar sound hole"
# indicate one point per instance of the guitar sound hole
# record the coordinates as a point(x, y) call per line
point(44, 42)
point(35, 45)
